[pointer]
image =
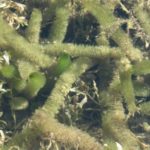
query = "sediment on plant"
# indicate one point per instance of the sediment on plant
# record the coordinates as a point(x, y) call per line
point(32, 67)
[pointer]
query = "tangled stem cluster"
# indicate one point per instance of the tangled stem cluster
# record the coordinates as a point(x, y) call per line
point(128, 61)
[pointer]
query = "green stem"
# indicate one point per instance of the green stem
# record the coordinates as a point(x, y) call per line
point(81, 50)
point(34, 27)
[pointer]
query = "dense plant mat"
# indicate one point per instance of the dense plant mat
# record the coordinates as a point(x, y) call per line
point(68, 68)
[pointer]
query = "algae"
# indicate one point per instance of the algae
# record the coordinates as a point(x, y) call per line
point(48, 68)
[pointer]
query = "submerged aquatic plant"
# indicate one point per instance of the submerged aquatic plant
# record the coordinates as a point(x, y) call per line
point(35, 69)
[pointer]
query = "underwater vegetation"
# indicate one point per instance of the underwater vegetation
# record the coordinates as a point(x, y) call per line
point(45, 53)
